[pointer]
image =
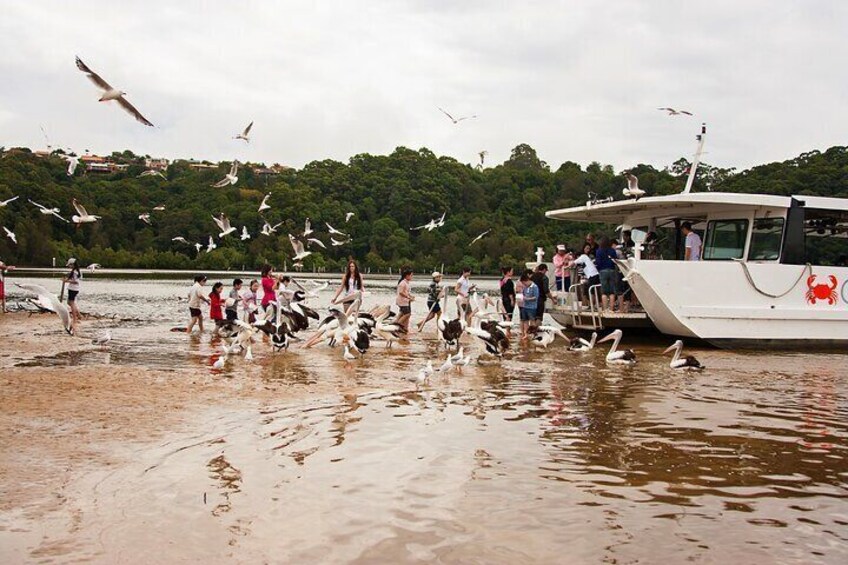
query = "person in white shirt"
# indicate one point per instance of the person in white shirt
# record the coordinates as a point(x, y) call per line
point(195, 299)
point(586, 264)
point(463, 288)
point(693, 243)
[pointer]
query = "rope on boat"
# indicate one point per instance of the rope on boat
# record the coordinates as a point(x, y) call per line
point(764, 293)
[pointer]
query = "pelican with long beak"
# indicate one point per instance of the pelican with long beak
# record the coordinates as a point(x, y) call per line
point(682, 362)
point(581, 345)
point(623, 357)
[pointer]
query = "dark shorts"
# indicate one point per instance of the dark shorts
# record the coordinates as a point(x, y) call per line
point(434, 307)
point(527, 314)
point(405, 309)
point(540, 310)
point(195, 312)
point(231, 315)
point(72, 295)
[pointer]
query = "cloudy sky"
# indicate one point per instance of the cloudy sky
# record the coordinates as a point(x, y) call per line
point(577, 80)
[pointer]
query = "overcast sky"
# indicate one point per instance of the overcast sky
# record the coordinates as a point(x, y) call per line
point(578, 81)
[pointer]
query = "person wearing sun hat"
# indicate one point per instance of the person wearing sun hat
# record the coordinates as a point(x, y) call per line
point(435, 292)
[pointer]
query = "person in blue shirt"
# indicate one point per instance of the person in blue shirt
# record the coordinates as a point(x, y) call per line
point(605, 258)
point(530, 303)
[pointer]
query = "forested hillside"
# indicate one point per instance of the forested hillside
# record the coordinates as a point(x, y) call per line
point(387, 194)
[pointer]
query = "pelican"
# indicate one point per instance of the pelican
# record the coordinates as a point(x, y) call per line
point(210, 246)
point(73, 161)
point(10, 234)
point(84, 217)
point(144, 218)
point(317, 242)
point(493, 337)
point(102, 339)
point(543, 339)
point(223, 223)
point(456, 120)
point(632, 190)
point(479, 237)
point(56, 306)
point(299, 252)
point(152, 173)
point(229, 178)
point(245, 135)
point(180, 239)
point(110, 93)
point(334, 231)
point(623, 357)
point(684, 363)
point(244, 233)
point(265, 206)
point(5, 203)
point(580, 344)
point(348, 216)
point(673, 112)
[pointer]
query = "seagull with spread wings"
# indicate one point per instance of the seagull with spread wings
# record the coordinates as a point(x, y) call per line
point(307, 227)
point(82, 216)
point(479, 237)
point(334, 231)
point(10, 234)
point(317, 242)
point(56, 305)
point(223, 223)
point(456, 120)
point(348, 216)
point(180, 239)
point(673, 112)
point(632, 190)
point(245, 135)
point(245, 235)
point(265, 206)
point(268, 229)
point(47, 211)
point(145, 217)
point(211, 245)
point(152, 173)
point(5, 203)
point(229, 178)
point(73, 162)
point(299, 252)
point(110, 93)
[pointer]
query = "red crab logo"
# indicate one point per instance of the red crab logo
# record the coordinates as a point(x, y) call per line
point(822, 291)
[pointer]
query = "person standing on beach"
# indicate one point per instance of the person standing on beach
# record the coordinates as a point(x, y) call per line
point(435, 293)
point(72, 279)
point(530, 303)
point(232, 302)
point(463, 288)
point(215, 303)
point(195, 299)
point(249, 301)
point(268, 282)
point(507, 293)
point(404, 299)
point(540, 279)
point(3, 268)
point(351, 284)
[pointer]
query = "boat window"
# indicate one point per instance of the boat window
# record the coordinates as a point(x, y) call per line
point(725, 239)
point(826, 238)
point(765, 239)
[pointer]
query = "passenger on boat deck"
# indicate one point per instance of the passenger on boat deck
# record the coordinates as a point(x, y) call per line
point(590, 272)
point(622, 288)
point(625, 249)
point(590, 240)
point(651, 245)
point(605, 258)
point(562, 264)
point(540, 279)
point(693, 243)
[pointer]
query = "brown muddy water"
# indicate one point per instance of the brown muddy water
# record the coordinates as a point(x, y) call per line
point(549, 456)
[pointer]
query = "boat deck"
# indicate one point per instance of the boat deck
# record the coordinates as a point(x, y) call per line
point(585, 319)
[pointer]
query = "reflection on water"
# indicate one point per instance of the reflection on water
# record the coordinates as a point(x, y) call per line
point(547, 457)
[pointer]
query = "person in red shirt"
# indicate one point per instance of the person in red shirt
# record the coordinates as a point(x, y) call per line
point(268, 283)
point(216, 312)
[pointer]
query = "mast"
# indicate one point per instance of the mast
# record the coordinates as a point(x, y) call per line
point(697, 158)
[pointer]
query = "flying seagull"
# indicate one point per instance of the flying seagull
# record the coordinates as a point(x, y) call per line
point(145, 218)
point(244, 234)
point(5, 203)
point(84, 217)
point(348, 216)
point(456, 120)
point(211, 245)
point(10, 234)
point(73, 161)
point(110, 93)
point(299, 252)
point(317, 242)
point(336, 243)
point(268, 229)
point(334, 231)
point(198, 246)
point(673, 112)
point(160, 208)
point(48, 298)
point(223, 222)
point(632, 190)
point(152, 173)
point(265, 206)
point(180, 239)
point(482, 155)
point(229, 178)
point(307, 227)
point(479, 237)
point(245, 134)
point(46, 211)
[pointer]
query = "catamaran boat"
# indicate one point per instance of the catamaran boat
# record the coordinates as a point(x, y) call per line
point(772, 270)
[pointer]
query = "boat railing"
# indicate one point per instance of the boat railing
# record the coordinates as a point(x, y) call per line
point(578, 311)
point(595, 306)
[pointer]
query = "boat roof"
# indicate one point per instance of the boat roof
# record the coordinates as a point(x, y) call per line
point(688, 205)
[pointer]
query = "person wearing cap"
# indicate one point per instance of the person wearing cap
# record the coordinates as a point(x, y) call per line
point(435, 292)
point(72, 279)
point(562, 263)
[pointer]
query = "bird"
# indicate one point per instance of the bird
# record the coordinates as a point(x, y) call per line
point(348, 216)
point(456, 120)
point(47, 211)
point(317, 242)
point(337, 243)
point(447, 365)
point(632, 190)
point(429, 226)
point(492, 336)
point(334, 231)
point(102, 339)
point(152, 173)
point(10, 234)
point(220, 361)
point(685, 362)
point(73, 161)
point(56, 305)
point(441, 222)
point(265, 206)
point(160, 208)
point(144, 218)
point(110, 93)
point(268, 229)
point(479, 237)
point(5, 203)
point(223, 223)
point(673, 112)
point(244, 233)
point(198, 246)
point(299, 252)
point(245, 134)
point(82, 216)
point(180, 239)
point(422, 376)
point(93, 267)
point(482, 155)
point(229, 178)
point(307, 227)
point(543, 339)
point(211, 245)
point(580, 344)
point(459, 355)
point(623, 357)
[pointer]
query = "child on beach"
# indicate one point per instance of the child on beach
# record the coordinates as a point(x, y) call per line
point(435, 293)
point(72, 279)
point(195, 298)
point(215, 304)
point(463, 288)
point(529, 306)
point(249, 301)
point(232, 302)
point(404, 299)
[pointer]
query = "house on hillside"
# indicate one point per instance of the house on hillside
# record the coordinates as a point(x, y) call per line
point(156, 164)
point(98, 164)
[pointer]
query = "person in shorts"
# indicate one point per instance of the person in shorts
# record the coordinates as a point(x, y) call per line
point(231, 311)
point(72, 279)
point(404, 299)
point(529, 304)
point(463, 288)
point(195, 299)
point(435, 292)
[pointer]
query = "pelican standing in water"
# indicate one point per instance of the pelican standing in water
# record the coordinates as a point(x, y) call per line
point(580, 344)
point(623, 357)
point(684, 362)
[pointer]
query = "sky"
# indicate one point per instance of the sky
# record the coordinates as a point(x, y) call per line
point(577, 80)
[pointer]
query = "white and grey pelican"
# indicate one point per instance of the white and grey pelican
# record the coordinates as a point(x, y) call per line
point(623, 357)
point(685, 362)
point(580, 344)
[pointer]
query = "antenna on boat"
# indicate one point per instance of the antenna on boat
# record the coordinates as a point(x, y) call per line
point(702, 137)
